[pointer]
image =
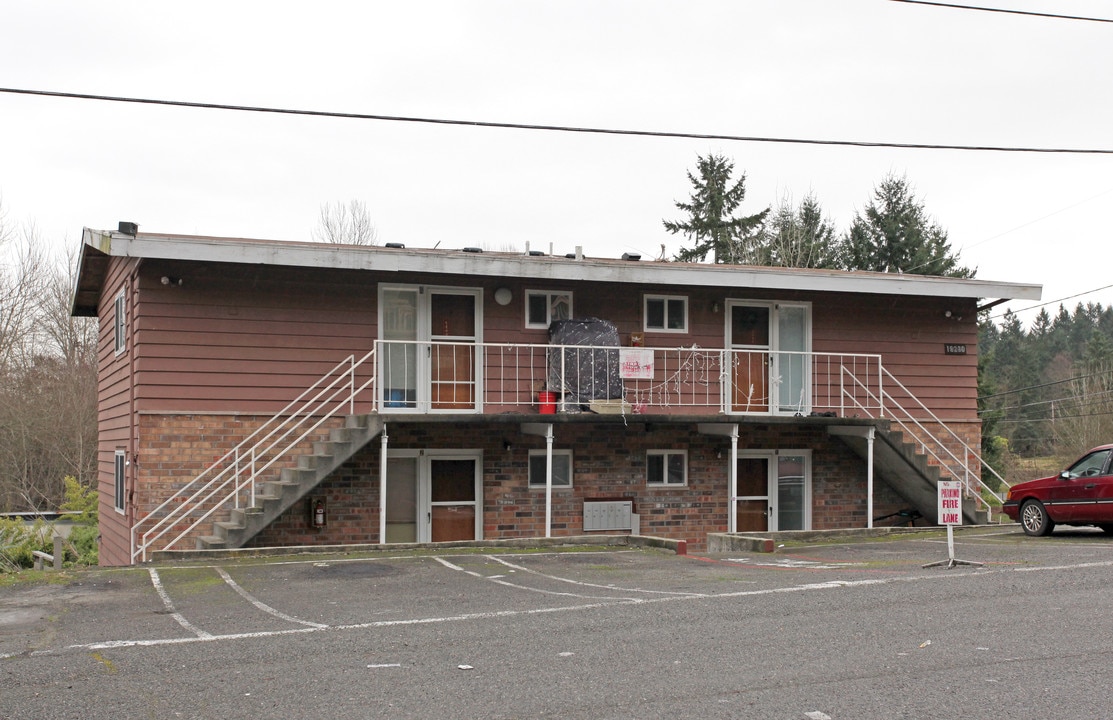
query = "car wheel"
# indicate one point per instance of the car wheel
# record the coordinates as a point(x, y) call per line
point(1034, 519)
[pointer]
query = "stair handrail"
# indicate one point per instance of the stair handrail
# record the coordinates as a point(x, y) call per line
point(936, 442)
point(250, 447)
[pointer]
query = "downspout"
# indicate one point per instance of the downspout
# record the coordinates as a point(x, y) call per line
point(732, 473)
point(549, 480)
point(130, 467)
point(382, 486)
point(869, 476)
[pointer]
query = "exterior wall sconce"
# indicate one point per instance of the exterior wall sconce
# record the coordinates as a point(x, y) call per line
point(503, 296)
point(715, 307)
point(167, 280)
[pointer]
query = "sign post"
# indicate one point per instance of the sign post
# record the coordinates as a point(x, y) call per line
point(950, 514)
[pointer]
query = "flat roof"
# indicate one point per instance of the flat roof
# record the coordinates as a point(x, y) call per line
point(99, 245)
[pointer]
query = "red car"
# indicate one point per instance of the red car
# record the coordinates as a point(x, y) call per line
point(1080, 495)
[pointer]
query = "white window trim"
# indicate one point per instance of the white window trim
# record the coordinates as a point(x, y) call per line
point(549, 295)
point(665, 299)
point(119, 323)
point(119, 480)
point(666, 454)
point(556, 453)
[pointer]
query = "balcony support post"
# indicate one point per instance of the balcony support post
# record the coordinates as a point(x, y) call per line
point(383, 441)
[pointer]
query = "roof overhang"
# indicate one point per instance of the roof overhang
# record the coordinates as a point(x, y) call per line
point(99, 245)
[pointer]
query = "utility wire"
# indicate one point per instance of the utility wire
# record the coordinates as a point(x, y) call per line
point(1049, 302)
point(557, 128)
point(954, 6)
point(1037, 387)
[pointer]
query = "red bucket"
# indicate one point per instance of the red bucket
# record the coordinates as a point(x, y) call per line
point(547, 400)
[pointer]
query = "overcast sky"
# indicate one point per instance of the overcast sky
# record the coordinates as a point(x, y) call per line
point(859, 70)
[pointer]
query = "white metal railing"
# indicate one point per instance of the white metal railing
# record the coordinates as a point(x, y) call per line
point(945, 451)
point(231, 478)
point(460, 376)
point(446, 376)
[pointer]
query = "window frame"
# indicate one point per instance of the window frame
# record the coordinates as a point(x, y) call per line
point(664, 481)
point(665, 300)
point(119, 323)
point(119, 475)
point(549, 296)
point(564, 453)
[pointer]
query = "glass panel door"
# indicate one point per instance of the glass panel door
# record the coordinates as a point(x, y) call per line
point(398, 361)
point(749, 343)
point(791, 505)
point(791, 363)
point(401, 500)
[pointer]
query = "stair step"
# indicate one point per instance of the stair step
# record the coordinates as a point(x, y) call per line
point(211, 542)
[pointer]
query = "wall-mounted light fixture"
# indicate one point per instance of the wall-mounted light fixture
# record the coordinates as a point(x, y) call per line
point(167, 280)
point(503, 296)
point(715, 307)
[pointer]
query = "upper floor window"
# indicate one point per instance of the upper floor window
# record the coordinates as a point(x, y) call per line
point(562, 468)
point(120, 323)
point(666, 313)
point(543, 306)
point(666, 467)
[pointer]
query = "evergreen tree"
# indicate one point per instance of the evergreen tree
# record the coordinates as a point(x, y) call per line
point(895, 234)
point(711, 224)
point(799, 237)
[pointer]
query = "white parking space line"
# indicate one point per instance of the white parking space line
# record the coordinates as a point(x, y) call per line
point(263, 606)
point(157, 582)
point(201, 636)
point(584, 584)
point(497, 581)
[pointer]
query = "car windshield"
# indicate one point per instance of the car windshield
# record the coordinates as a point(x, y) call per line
point(1090, 465)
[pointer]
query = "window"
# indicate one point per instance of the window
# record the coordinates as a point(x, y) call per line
point(542, 307)
point(666, 313)
point(666, 467)
point(562, 468)
point(120, 324)
point(120, 463)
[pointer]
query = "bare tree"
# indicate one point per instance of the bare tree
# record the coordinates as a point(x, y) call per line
point(48, 378)
point(346, 224)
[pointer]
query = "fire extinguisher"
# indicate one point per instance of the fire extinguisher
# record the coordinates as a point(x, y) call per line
point(318, 513)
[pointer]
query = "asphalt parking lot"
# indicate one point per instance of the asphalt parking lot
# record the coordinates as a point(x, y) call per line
point(849, 629)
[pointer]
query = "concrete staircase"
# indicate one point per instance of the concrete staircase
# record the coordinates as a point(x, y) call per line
point(901, 464)
point(274, 497)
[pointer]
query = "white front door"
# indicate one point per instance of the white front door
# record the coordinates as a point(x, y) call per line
point(433, 496)
point(772, 491)
point(769, 359)
point(429, 350)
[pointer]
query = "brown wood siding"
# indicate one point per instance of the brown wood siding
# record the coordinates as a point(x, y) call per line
point(245, 339)
point(114, 419)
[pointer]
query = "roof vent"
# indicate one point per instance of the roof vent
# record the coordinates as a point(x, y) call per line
point(631, 256)
point(129, 228)
point(396, 246)
point(473, 249)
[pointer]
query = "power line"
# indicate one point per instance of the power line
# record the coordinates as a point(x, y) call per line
point(1044, 385)
point(1049, 302)
point(954, 6)
point(557, 128)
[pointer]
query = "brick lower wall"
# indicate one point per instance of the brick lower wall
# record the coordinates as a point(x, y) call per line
point(608, 462)
point(172, 450)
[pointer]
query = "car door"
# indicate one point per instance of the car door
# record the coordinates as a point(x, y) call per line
point(1076, 496)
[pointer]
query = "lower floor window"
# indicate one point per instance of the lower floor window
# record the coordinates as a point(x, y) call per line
point(666, 467)
point(562, 468)
point(119, 478)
